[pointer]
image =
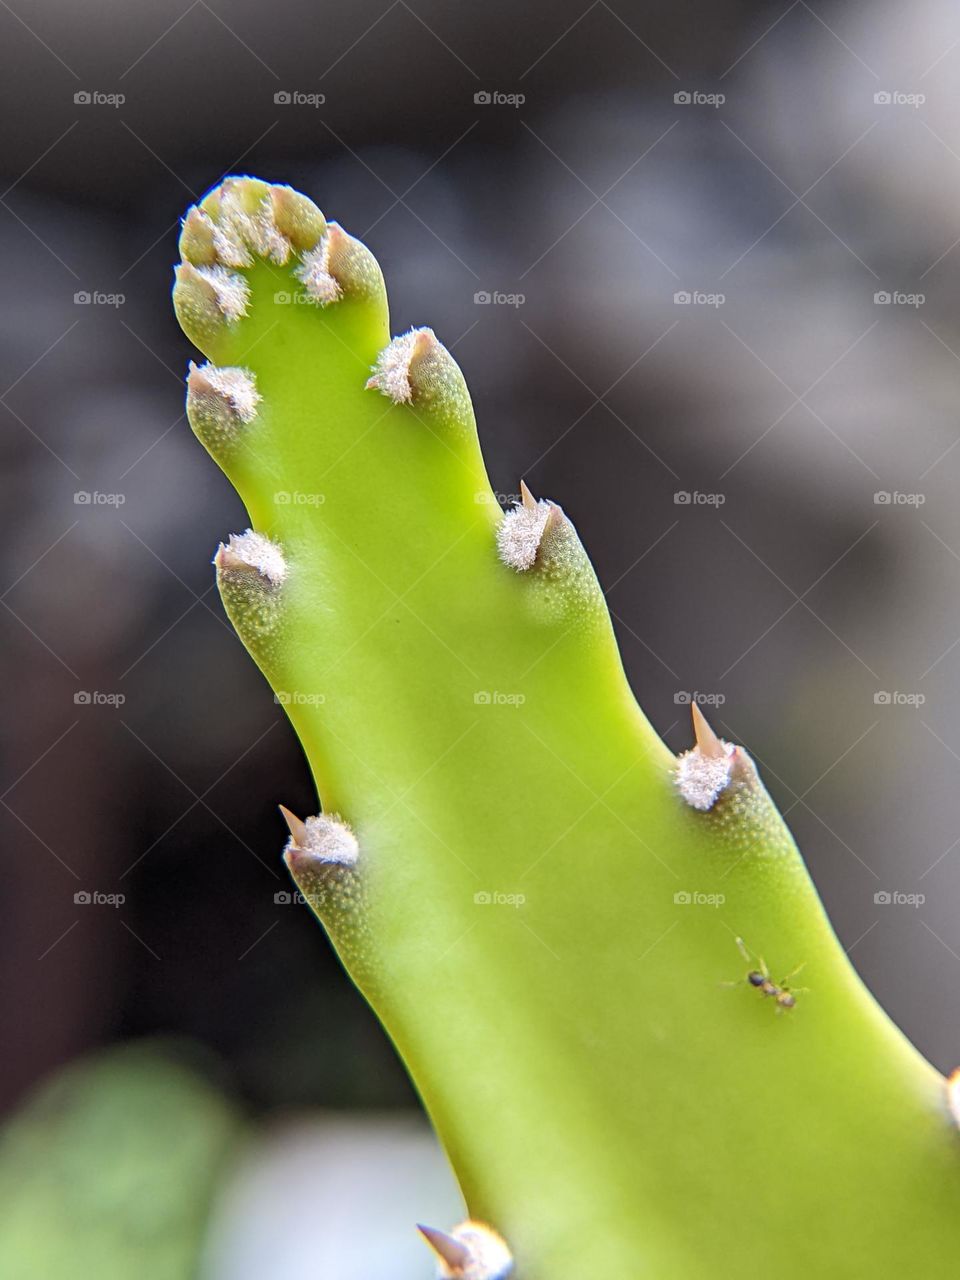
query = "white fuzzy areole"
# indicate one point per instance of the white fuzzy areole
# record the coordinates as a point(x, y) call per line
point(231, 290)
point(257, 552)
point(520, 534)
point(236, 387)
point(328, 839)
point(239, 235)
point(490, 1257)
point(701, 778)
point(391, 373)
point(314, 272)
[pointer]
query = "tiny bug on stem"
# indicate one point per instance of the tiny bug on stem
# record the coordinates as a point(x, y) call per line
point(783, 995)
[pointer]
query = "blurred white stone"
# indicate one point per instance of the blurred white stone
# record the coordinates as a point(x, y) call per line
point(335, 1198)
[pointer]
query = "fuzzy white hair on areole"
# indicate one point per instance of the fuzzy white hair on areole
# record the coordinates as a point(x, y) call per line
point(236, 388)
point(391, 373)
point(253, 550)
point(231, 291)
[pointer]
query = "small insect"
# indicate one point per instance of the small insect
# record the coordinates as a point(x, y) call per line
point(783, 995)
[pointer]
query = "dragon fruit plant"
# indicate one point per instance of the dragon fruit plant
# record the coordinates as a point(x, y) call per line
point(504, 847)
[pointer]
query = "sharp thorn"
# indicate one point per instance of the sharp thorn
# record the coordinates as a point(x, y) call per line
point(707, 741)
point(447, 1249)
point(298, 829)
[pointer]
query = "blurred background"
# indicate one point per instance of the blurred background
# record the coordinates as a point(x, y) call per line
point(700, 265)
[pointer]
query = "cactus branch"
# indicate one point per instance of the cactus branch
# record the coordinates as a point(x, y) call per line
point(539, 901)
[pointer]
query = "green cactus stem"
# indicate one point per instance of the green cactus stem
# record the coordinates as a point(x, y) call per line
point(508, 858)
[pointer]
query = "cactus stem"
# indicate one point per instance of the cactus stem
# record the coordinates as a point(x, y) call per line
point(472, 1251)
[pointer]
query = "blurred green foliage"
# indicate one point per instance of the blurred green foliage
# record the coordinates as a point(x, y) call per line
point(108, 1172)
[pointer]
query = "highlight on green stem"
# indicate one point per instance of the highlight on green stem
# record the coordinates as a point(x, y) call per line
point(542, 905)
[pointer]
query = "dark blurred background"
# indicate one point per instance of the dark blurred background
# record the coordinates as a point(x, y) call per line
point(724, 246)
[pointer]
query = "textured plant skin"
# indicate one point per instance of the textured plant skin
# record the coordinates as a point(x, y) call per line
point(607, 1102)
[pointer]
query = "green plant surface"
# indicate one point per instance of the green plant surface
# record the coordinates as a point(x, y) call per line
point(109, 1171)
point(511, 900)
